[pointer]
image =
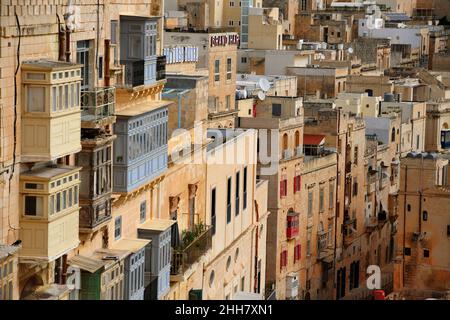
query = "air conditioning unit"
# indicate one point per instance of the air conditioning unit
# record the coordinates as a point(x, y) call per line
point(291, 286)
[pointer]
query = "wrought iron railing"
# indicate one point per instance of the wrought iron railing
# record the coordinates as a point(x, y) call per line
point(98, 103)
point(183, 258)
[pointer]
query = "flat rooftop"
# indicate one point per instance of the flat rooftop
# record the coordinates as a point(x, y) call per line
point(49, 65)
point(50, 172)
point(141, 108)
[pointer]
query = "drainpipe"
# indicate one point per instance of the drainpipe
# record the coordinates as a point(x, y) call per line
point(255, 285)
point(404, 226)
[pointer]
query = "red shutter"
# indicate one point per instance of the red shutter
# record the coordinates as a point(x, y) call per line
point(283, 259)
point(295, 254)
point(281, 188)
point(295, 184)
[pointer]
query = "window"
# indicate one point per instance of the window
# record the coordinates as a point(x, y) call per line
point(283, 259)
point(297, 183)
point(114, 31)
point(297, 252)
point(321, 199)
point(276, 109)
point(283, 188)
point(33, 206)
point(244, 60)
point(227, 102)
point(143, 210)
point(83, 59)
point(355, 187)
point(100, 67)
point(393, 135)
point(229, 200)
point(244, 194)
point(407, 251)
point(231, 3)
point(36, 99)
point(310, 203)
point(229, 69)
point(408, 207)
point(217, 70)
point(230, 23)
point(355, 155)
point(425, 216)
point(417, 142)
point(338, 34)
point(303, 5)
point(118, 227)
point(243, 283)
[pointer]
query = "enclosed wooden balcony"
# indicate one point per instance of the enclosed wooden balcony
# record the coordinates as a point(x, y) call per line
point(50, 114)
point(49, 212)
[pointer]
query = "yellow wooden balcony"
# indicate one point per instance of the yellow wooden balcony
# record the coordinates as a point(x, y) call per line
point(49, 212)
point(50, 110)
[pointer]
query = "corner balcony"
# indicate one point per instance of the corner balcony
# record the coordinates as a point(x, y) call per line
point(195, 244)
point(97, 107)
point(49, 209)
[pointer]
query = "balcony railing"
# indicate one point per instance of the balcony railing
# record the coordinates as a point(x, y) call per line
point(183, 258)
point(97, 104)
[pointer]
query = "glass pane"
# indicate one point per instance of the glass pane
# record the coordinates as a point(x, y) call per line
point(36, 99)
point(54, 98)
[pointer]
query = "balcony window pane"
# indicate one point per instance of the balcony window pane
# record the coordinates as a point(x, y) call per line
point(75, 198)
point(33, 206)
point(58, 202)
point(36, 99)
point(72, 95)
point(66, 96)
point(64, 199)
point(51, 205)
point(54, 99)
point(70, 197)
point(60, 97)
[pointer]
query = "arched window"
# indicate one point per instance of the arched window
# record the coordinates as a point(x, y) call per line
point(393, 135)
point(445, 125)
point(297, 138)
point(285, 141)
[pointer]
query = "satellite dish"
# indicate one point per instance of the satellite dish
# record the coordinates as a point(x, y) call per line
point(350, 50)
point(261, 95)
point(264, 84)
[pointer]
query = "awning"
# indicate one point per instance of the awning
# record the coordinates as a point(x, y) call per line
point(102, 258)
point(313, 139)
point(128, 244)
point(157, 224)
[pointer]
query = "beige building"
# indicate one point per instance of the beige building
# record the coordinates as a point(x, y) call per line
point(237, 211)
point(358, 103)
point(217, 54)
point(422, 267)
point(265, 30)
point(280, 124)
point(437, 127)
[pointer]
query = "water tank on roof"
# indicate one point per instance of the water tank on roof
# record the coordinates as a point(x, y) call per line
point(389, 97)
